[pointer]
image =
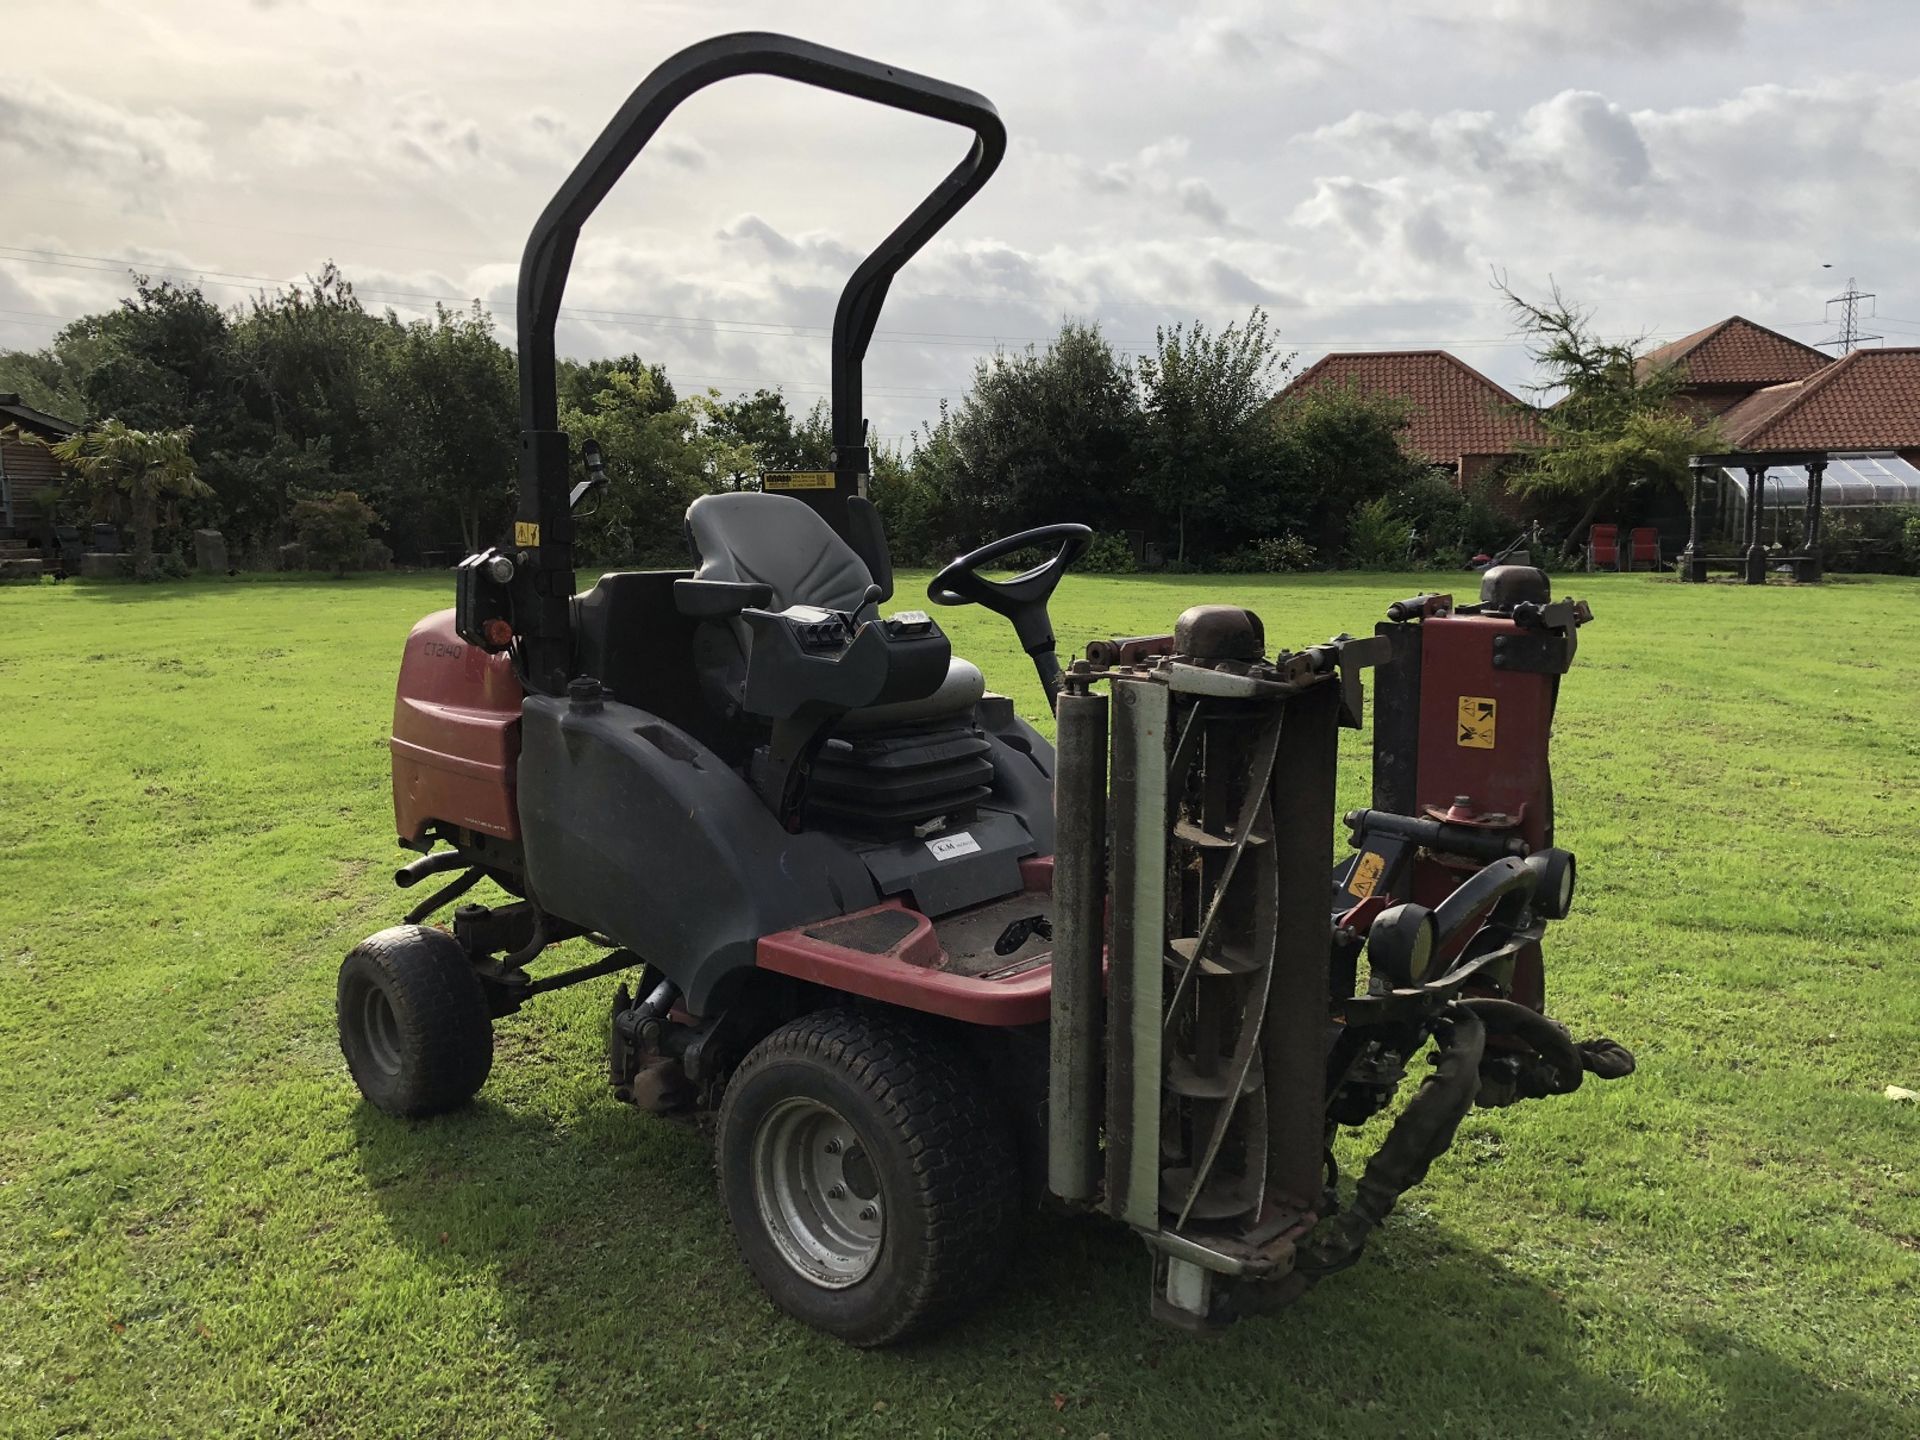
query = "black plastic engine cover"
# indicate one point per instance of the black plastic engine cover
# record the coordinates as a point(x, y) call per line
point(634, 829)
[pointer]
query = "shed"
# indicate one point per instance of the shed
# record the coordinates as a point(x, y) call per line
point(28, 472)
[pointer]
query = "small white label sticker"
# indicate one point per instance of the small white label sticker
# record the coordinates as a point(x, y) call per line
point(948, 847)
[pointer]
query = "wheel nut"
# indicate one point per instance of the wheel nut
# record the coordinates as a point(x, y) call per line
point(869, 1212)
point(836, 1192)
point(833, 1147)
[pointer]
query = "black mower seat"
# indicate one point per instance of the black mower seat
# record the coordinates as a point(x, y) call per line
point(777, 541)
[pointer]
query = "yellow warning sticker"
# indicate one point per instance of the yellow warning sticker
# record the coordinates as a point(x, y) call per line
point(1366, 874)
point(797, 480)
point(526, 532)
point(1476, 722)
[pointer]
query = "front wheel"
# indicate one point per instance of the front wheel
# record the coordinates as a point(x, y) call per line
point(870, 1178)
point(414, 1023)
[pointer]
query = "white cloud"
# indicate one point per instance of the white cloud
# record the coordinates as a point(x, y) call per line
point(1354, 167)
point(46, 127)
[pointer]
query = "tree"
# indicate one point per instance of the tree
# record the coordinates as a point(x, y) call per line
point(142, 466)
point(1619, 426)
point(442, 402)
point(908, 506)
point(158, 361)
point(1208, 450)
point(302, 362)
point(48, 380)
point(579, 381)
point(1330, 451)
point(762, 435)
point(334, 529)
point(657, 461)
point(1042, 436)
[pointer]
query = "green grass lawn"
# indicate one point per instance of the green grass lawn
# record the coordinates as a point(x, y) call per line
point(202, 1230)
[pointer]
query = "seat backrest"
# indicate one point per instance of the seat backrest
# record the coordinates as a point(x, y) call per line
point(1646, 542)
point(778, 541)
point(1603, 540)
point(771, 540)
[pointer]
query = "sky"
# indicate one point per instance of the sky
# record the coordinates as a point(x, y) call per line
point(1361, 170)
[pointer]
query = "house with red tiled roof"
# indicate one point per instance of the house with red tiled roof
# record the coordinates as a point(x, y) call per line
point(1770, 392)
point(1458, 419)
point(1722, 365)
point(1868, 400)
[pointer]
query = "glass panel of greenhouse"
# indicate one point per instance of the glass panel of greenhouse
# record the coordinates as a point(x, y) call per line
point(1853, 482)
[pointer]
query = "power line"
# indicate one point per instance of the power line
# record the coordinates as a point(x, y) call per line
point(720, 325)
point(638, 319)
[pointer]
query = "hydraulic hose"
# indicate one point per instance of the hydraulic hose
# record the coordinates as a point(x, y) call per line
point(1419, 1137)
point(1548, 1039)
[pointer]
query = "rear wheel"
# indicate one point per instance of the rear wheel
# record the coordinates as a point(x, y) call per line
point(870, 1179)
point(414, 1023)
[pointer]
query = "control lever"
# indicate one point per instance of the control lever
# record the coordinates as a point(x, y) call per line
point(851, 618)
point(596, 473)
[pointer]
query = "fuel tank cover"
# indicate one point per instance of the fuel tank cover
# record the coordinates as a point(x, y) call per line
point(1219, 632)
point(1505, 586)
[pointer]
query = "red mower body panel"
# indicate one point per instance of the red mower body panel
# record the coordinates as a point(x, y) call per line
point(1483, 729)
point(456, 735)
point(893, 953)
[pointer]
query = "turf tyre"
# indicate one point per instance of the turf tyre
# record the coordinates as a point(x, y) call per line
point(942, 1161)
point(414, 1023)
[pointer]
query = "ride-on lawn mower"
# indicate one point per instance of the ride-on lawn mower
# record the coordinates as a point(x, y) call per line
point(924, 967)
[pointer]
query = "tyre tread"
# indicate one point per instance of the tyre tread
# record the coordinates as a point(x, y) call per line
point(961, 1154)
point(446, 1029)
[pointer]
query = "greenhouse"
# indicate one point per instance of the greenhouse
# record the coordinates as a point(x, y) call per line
point(1851, 482)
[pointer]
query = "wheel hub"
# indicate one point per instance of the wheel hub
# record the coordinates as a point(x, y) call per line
point(381, 1030)
point(818, 1193)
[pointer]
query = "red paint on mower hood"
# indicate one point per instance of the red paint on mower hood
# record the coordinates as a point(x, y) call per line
point(456, 734)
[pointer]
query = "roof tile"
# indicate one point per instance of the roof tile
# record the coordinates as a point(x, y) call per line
point(1868, 400)
point(1737, 352)
point(1455, 410)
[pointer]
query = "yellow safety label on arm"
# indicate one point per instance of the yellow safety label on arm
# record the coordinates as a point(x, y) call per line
point(797, 480)
point(1477, 715)
point(526, 532)
point(1366, 874)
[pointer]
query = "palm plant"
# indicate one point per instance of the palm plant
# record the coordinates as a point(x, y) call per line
point(142, 466)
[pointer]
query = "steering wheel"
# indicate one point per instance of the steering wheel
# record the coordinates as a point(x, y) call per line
point(1023, 599)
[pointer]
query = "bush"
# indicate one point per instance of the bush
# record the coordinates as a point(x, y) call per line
point(1108, 555)
point(1875, 542)
point(1274, 555)
point(1448, 526)
point(333, 529)
point(1377, 538)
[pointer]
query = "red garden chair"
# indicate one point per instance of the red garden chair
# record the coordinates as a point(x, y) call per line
point(1603, 547)
point(1643, 549)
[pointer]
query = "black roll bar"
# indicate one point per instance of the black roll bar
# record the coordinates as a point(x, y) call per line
point(544, 535)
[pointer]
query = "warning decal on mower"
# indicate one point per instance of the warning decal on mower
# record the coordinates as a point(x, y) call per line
point(526, 532)
point(797, 480)
point(951, 847)
point(1476, 722)
point(1366, 874)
